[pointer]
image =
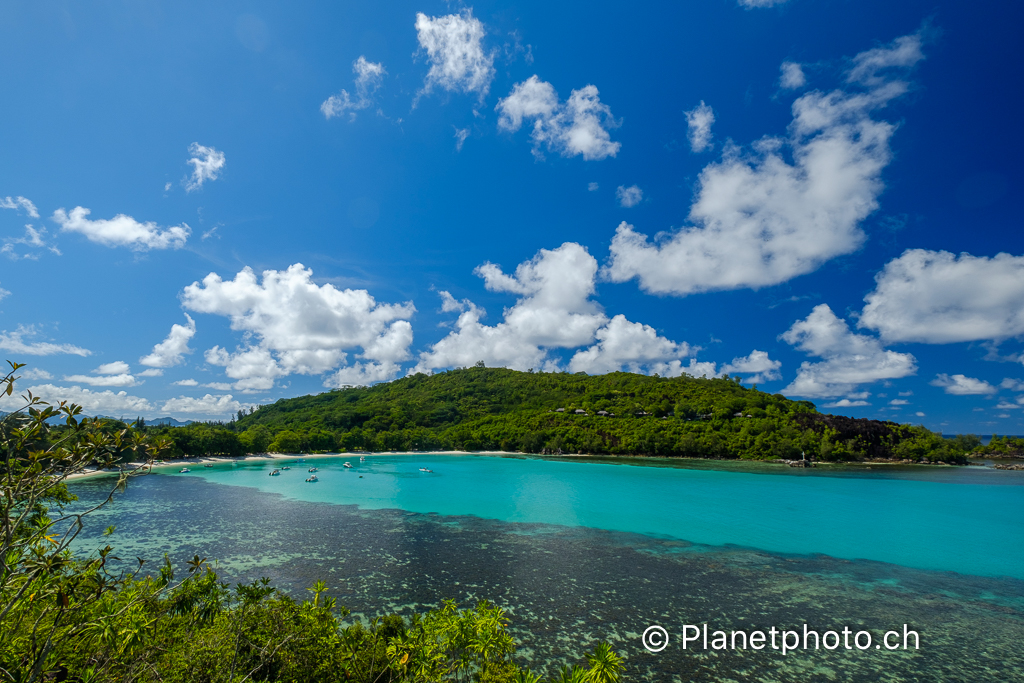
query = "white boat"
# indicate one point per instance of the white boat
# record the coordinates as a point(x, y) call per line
point(348, 465)
point(183, 470)
point(313, 478)
point(275, 473)
point(424, 469)
point(313, 469)
point(285, 468)
point(362, 458)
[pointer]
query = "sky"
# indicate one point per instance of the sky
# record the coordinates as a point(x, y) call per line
point(209, 206)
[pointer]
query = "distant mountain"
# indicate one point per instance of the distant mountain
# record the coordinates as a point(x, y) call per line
point(168, 421)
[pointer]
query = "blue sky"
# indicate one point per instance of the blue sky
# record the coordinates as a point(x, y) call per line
point(208, 206)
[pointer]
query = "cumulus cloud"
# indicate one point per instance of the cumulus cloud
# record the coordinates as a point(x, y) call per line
point(961, 385)
point(368, 78)
point(207, 163)
point(93, 402)
point(19, 204)
point(554, 311)
point(629, 196)
point(151, 372)
point(298, 326)
point(937, 298)
point(633, 346)
point(792, 76)
point(208, 405)
point(849, 359)
point(122, 380)
point(592, 187)
point(847, 403)
point(185, 383)
point(757, 367)
point(454, 47)
point(751, 4)
point(698, 122)
point(122, 230)
point(758, 219)
point(1012, 384)
point(577, 127)
point(170, 351)
point(14, 342)
point(899, 402)
point(34, 373)
point(115, 374)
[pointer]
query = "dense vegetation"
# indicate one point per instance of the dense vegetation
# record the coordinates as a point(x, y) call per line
point(1002, 447)
point(619, 413)
point(66, 618)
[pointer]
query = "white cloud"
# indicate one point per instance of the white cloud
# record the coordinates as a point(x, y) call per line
point(554, 311)
point(185, 383)
point(902, 53)
point(92, 402)
point(698, 122)
point(1012, 384)
point(219, 386)
point(937, 298)
point(122, 380)
point(1005, 405)
point(368, 78)
point(151, 372)
point(751, 4)
point(4, 293)
point(122, 230)
point(19, 204)
point(33, 238)
point(919, 414)
point(624, 344)
point(454, 47)
point(847, 403)
point(299, 327)
point(208, 405)
point(461, 134)
point(629, 196)
point(169, 352)
point(362, 374)
point(15, 343)
point(592, 187)
point(118, 367)
point(759, 220)
point(695, 368)
point(34, 373)
point(577, 127)
point(961, 385)
point(792, 76)
point(849, 359)
point(757, 365)
point(207, 163)
point(898, 402)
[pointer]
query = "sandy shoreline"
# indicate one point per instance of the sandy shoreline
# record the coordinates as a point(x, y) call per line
point(184, 462)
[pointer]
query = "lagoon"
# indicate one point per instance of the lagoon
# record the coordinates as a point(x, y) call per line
point(580, 551)
point(962, 520)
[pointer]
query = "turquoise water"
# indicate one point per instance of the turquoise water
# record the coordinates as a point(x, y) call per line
point(963, 520)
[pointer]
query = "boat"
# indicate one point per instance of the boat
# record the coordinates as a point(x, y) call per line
point(207, 465)
point(362, 458)
point(183, 470)
point(312, 469)
point(285, 468)
point(348, 465)
point(275, 473)
point(424, 469)
point(313, 478)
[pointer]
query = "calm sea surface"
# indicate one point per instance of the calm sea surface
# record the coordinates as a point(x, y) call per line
point(586, 551)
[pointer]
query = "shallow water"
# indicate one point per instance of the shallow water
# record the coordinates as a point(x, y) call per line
point(581, 552)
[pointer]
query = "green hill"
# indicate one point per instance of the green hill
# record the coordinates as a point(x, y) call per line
point(619, 413)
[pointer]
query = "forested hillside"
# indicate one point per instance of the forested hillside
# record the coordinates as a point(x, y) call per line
point(619, 413)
